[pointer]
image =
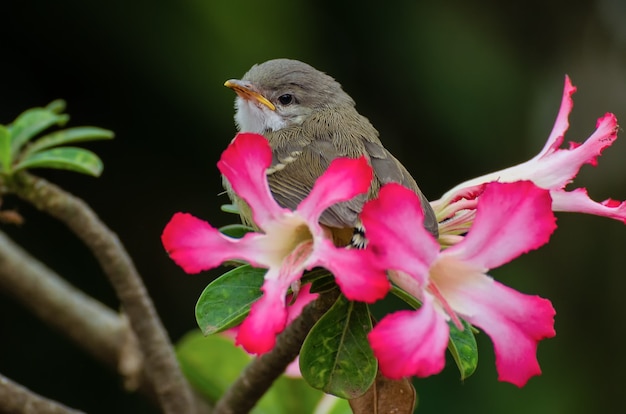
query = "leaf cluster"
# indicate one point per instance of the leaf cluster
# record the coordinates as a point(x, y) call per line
point(21, 149)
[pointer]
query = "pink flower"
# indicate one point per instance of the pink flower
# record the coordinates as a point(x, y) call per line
point(510, 219)
point(552, 169)
point(289, 242)
point(294, 310)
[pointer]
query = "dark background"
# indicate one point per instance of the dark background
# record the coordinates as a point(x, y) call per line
point(455, 89)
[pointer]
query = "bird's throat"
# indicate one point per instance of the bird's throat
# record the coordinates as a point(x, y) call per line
point(251, 116)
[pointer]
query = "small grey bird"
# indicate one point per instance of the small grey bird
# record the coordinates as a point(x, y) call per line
point(309, 121)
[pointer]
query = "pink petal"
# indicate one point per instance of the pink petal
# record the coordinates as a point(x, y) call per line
point(587, 152)
point(511, 219)
point(267, 318)
point(396, 236)
point(268, 315)
point(462, 199)
point(553, 168)
point(357, 277)
point(515, 322)
point(410, 343)
point(304, 298)
point(243, 164)
point(195, 245)
point(293, 311)
point(344, 179)
point(578, 201)
point(557, 168)
point(562, 122)
point(190, 241)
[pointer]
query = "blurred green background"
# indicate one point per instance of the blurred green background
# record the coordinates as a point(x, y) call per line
point(455, 88)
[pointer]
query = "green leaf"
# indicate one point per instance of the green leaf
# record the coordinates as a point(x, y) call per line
point(336, 357)
point(226, 301)
point(57, 106)
point(212, 363)
point(64, 158)
point(236, 230)
point(229, 208)
point(323, 284)
point(5, 149)
point(30, 123)
point(463, 348)
point(68, 136)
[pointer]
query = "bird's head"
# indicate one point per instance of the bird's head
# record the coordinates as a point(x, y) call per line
point(282, 93)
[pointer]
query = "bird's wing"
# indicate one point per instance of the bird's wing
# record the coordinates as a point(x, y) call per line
point(387, 169)
point(329, 137)
point(290, 182)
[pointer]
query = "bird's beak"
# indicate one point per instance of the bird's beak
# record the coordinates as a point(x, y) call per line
point(246, 91)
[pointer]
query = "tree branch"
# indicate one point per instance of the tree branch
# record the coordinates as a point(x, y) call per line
point(259, 375)
point(99, 330)
point(19, 400)
point(172, 389)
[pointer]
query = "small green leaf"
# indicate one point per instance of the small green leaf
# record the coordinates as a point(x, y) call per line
point(31, 122)
point(463, 348)
point(236, 230)
point(226, 301)
point(5, 149)
point(64, 158)
point(336, 357)
point(57, 106)
point(230, 208)
point(68, 136)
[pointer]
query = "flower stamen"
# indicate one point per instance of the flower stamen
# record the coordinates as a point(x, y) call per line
point(432, 288)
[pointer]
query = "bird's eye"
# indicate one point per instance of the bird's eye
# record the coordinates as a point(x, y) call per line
point(286, 99)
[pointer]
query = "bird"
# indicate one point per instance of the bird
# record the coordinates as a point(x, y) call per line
point(309, 120)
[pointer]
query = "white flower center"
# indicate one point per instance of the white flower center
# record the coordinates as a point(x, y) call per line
point(286, 236)
point(453, 281)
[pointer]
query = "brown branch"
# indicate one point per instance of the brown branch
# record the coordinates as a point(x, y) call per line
point(172, 389)
point(259, 375)
point(19, 400)
point(93, 326)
